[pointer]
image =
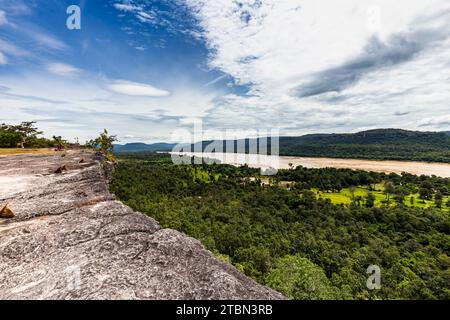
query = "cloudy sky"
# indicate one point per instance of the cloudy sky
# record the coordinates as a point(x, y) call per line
point(145, 68)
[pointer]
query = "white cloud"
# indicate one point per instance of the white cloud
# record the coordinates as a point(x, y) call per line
point(145, 17)
point(136, 89)
point(63, 69)
point(15, 7)
point(286, 39)
point(214, 81)
point(7, 48)
point(3, 59)
point(435, 121)
point(3, 19)
point(390, 74)
point(143, 14)
point(82, 109)
point(347, 57)
point(127, 7)
point(13, 50)
point(47, 40)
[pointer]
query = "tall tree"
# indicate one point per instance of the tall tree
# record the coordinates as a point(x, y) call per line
point(426, 191)
point(352, 190)
point(104, 143)
point(26, 130)
point(438, 199)
point(370, 200)
point(59, 142)
point(389, 189)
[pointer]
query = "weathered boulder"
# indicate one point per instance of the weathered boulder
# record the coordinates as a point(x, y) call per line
point(70, 239)
point(5, 211)
point(61, 169)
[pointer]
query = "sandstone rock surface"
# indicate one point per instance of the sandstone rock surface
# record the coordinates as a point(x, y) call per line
point(70, 239)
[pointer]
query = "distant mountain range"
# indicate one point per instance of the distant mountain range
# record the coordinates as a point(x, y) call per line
point(141, 147)
point(380, 144)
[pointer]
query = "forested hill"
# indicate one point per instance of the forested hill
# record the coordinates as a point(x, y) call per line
point(380, 144)
point(140, 147)
point(378, 136)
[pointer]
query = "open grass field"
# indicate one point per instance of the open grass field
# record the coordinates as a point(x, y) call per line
point(15, 151)
point(345, 197)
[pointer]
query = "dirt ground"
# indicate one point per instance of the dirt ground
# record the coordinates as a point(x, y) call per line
point(15, 151)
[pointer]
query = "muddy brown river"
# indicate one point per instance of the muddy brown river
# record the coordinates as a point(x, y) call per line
point(284, 162)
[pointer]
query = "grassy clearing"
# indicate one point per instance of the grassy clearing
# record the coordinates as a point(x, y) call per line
point(345, 197)
point(15, 151)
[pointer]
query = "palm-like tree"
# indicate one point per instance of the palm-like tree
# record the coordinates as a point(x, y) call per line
point(59, 142)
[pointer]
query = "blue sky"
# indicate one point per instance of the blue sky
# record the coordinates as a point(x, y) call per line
point(143, 69)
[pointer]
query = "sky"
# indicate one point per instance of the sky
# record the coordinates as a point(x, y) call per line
point(144, 69)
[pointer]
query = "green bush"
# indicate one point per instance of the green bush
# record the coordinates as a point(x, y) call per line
point(9, 139)
point(300, 279)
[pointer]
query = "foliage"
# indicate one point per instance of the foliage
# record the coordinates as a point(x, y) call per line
point(377, 198)
point(331, 179)
point(104, 143)
point(23, 135)
point(59, 142)
point(389, 189)
point(300, 279)
point(9, 139)
point(278, 235)
point(380, 144)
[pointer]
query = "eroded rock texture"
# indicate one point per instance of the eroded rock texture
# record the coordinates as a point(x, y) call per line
point(69, 239)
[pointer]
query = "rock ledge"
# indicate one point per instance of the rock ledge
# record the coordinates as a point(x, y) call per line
point(70, 239)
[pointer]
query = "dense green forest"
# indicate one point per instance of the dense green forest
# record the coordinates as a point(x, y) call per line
point(286, 237)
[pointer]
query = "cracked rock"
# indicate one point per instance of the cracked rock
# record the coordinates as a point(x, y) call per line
point(70, 239)
point(61, 169)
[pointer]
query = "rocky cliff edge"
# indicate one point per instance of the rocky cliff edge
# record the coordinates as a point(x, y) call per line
point(70, 239)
